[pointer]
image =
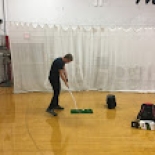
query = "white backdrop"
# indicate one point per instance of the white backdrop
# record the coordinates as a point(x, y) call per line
point(108, 59)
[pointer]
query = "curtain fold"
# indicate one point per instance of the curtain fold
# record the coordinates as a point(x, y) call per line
point(107, 59)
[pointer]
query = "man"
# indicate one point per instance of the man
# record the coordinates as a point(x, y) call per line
point(58, 70)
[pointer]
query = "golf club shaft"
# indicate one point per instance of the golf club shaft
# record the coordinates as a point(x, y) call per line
point(73, 98)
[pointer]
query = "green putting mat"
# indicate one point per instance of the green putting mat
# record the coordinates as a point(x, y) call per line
point(81, 111)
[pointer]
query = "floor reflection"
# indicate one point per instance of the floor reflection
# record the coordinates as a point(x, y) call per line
point(111, 113)
point(58, 144)
point(7, 110)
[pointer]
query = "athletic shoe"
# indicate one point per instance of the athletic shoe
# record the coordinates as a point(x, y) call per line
point(51, 111)
point(59, 107)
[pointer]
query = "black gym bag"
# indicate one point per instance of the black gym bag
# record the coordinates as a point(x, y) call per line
point(147, 112)
point(111, 101)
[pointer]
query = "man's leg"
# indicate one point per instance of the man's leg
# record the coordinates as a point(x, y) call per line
point(56, 97)
point(54, 101)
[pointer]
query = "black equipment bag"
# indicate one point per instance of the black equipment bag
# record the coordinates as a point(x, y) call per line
point(111, 101)
point(147, 112)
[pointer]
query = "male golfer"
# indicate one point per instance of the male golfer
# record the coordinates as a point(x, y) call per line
point(58, 70)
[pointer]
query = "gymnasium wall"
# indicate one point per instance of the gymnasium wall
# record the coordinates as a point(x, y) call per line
point(106, 58)
point(87, 12)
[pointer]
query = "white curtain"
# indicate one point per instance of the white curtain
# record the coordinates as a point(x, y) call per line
point(108, 59)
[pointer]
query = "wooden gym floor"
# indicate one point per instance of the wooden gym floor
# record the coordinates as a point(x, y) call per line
point(26, 129)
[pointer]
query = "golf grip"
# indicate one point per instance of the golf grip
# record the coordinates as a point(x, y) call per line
point(73, 98)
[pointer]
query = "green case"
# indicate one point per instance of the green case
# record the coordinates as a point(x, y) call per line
point(81, 111)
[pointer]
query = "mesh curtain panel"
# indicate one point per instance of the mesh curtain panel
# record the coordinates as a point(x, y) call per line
point(105, 59)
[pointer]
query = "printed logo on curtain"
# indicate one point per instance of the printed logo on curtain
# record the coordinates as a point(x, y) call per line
point(146, 1)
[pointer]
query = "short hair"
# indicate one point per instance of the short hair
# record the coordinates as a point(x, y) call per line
point(69, 57)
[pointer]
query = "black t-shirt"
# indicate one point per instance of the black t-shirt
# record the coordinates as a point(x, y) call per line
point(55, 67)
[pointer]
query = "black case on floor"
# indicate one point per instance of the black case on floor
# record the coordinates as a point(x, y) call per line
point(111, 101)
point(147, 112)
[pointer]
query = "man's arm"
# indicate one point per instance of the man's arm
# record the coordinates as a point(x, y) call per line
point(66, 75)
point(63, 77)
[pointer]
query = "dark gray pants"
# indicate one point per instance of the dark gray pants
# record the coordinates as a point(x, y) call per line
point(56, 85)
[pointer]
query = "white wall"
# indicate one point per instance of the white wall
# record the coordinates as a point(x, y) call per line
point(117, 12)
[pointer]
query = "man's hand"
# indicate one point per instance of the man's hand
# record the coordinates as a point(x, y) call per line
point(66, 83)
